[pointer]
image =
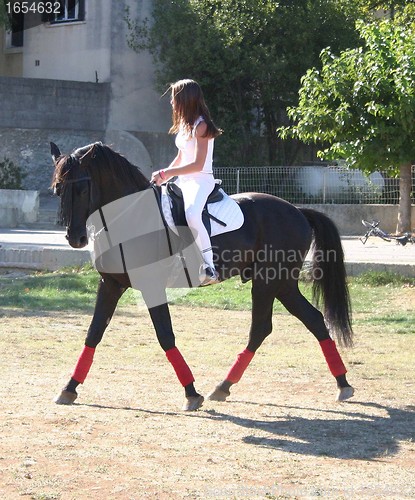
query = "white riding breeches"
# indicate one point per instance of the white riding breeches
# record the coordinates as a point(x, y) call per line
point(196, 188)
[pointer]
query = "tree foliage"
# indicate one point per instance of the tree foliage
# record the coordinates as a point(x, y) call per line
point(387, 5)
point(362, 102)
point(4, 21)
point(362, 105)
point(11, 175)
point(249, 56)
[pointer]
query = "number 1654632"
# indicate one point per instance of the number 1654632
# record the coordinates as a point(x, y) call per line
point(34, 7)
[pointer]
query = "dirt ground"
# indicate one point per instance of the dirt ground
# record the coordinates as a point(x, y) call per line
point(280, 435)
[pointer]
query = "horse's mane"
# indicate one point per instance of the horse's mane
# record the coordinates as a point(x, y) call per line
point(108, 171)
point(101, 161)
point(117, 166)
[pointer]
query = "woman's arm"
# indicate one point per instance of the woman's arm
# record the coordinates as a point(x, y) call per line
point(159, 177)
point(190, 168)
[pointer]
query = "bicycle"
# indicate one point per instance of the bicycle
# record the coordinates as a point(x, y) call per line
point(373, 229)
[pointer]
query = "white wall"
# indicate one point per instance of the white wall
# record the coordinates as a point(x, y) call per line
point(18, 207)
point(71, 51)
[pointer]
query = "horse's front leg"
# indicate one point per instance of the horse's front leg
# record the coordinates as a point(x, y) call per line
point(109, 293)
point(160, 316)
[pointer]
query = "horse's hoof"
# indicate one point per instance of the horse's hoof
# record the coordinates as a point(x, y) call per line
point(66, 398)
point(218, 394)
point(193, 403)
point(344, 393)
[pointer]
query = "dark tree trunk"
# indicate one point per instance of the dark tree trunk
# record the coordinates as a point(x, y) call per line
point(405, 186)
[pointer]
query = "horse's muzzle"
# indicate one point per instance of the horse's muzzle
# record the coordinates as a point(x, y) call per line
point(80, 241)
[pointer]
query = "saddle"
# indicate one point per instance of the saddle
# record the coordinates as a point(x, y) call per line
point(177, 205)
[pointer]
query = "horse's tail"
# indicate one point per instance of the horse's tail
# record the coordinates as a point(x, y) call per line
point(329, 276)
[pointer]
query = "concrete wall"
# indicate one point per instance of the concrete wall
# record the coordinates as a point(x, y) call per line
point(18, 207)
point(35, 112)
point(30, 149)
point(161, 147)
point(11, 60)
point(40, 103)
point(133, 149)
point(348, 218)
point(56, 101)
point(78, 51)
point(135, 102)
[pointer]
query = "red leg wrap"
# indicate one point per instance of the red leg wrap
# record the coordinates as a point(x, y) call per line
point(240, 365)
point(180, 366)
point(333, 358)
point(84, 364)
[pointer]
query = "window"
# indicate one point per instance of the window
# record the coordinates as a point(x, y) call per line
point(68, 11)
point(14, 36)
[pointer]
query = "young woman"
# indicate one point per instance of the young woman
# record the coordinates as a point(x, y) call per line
point(193, 163)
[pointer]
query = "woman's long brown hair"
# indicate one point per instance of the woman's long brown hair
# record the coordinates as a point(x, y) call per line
point(189, 104)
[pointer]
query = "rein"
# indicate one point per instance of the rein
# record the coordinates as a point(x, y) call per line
point(71, 181)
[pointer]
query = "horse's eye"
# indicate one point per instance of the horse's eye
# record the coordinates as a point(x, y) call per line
point(83, 188)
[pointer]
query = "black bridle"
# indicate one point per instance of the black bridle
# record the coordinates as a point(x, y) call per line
point(58, 188)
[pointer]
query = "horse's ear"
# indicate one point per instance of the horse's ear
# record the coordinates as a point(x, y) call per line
point(54, 151)
point(86, 158)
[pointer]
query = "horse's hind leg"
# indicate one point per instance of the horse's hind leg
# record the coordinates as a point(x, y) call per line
point(261, 327)
point(109, 293)
point(299, 306)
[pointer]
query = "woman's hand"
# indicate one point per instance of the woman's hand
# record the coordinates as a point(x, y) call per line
point(159, 177)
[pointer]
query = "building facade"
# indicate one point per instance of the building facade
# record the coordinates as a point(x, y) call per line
point(70, 77)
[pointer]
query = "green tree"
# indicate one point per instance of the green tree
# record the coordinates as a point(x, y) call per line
point(362, 105)
point(387, 5)
point(11, 175)
point(249, 56)
point(4, 21)
point(4, 18)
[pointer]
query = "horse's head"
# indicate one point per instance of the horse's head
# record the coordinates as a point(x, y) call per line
point(72, 183)
point(86, 180)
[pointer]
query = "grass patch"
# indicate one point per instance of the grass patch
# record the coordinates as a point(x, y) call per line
point(384, 301)
point(374, 292)
point(231, 294)
point(401, 324)
point(378, 299)
point(67, 289)
point(385, 278)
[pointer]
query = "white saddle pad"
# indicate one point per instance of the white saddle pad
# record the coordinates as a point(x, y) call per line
point(226, 210)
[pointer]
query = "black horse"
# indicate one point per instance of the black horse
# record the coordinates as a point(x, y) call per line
point(271, 246)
